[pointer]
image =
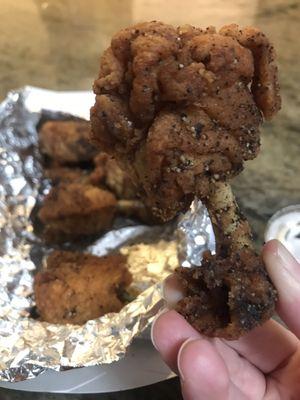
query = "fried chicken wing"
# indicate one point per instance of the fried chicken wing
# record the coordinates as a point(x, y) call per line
point(107, 171)
point(230, 293)
point(75, 287)
point(58, 174)
point(66, 142)
point(76, 210)
point(181, 110)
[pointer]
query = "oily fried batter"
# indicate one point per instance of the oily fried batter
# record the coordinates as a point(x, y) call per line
point(181, 110)
point(232, 286)
point(75, 287)
point(174, 106)
point(58, 174)
point(66, 142)
point(75, 210)
point(113, 177)
point(226, 296)
point(108, 173)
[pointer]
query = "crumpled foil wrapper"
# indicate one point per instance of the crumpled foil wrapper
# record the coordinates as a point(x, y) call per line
point(28, 346)
point(195, 235)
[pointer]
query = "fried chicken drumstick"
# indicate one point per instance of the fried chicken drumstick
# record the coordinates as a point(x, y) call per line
point(180, 109)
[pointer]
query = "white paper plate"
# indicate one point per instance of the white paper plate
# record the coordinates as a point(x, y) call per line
point(141, 366)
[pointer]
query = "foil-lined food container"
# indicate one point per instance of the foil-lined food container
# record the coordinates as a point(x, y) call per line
point(28, 346)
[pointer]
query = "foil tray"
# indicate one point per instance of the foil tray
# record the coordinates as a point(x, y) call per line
point(28, 346)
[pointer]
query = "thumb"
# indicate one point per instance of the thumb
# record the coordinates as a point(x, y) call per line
point(284, 271)
point(204, 374)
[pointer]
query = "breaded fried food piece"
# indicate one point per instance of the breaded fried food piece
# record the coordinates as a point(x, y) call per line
point(76, 210)
point(181, 108)
point(230, 293)
point(108, 172)
point(58, 174)
point(66, 142)
point(75, 287)
point(226, 296)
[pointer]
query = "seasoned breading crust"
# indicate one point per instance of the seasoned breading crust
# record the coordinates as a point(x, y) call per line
point(75, 287)
point(232, 286)
point(174, 106)
point(109, 173)
point(57, 175)
point(226, 296)
point(66, 142)
point(181, 109)
point(74, 210)
point(106, 175)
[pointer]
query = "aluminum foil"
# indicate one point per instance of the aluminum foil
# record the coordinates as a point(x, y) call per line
point(195, 235)
point(27, 346)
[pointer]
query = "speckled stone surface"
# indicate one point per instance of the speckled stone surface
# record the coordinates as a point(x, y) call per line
point(272, 180)
point(56, 44)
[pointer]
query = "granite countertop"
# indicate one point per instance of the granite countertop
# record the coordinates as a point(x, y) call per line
point(56, 44)
point(272, 180)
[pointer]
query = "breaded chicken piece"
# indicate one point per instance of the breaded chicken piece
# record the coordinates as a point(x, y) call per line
point(58, 174)
point(108, 172)
point(76, 210)
point(230, 293)
point(75, 287)
point(106, 175)
point(226, 297)
point(66, 142)
point(181, 108)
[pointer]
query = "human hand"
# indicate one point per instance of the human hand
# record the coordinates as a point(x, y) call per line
point(262, 365)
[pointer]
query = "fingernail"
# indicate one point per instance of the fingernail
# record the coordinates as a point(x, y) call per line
point(172, 292)
point(163, 311)
point(284, 270)
point(288, 261)
point(182, 348)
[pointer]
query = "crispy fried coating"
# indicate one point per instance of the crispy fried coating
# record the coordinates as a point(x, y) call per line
point(136, 209)
point(265, 86)
point(181, 107)
point(75, 287)
point(66, 142)
point(226, 296)
point(108, 172)
point(230, 293)
point(76, 210)
point(58, 174)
